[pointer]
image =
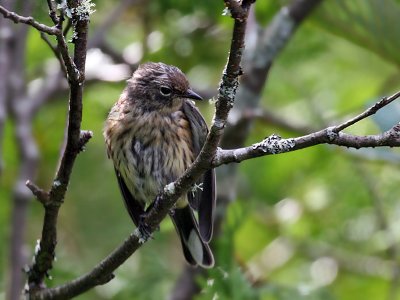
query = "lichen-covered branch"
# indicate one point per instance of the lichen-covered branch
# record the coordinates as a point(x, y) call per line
point(274, 144)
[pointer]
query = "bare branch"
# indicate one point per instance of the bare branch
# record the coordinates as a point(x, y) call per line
point(238, 10)
point(72, 70)
point(55, 50)
point(40, 194)
point(28, 20)
point(372, 110)
point(52, 11)
point(76, 139)
point(48, 42)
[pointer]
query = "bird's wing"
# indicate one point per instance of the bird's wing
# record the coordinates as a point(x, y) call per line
point(133, 206)
point(203, 199)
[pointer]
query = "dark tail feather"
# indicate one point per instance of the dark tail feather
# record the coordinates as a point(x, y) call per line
point(207, 206)
point(196, 251)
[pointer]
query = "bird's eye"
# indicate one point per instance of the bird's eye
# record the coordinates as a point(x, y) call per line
point(165, 91)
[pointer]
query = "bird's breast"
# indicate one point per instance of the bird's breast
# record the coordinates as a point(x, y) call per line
point(150, 150)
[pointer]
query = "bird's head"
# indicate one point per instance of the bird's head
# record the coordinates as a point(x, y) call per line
point(161, 87)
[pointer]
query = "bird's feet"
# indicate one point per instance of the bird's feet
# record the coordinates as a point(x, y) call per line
point(143, 231)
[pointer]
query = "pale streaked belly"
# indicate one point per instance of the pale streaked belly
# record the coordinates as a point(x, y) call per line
point(148, 162)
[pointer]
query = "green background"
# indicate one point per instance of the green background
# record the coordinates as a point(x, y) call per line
point(304, 224)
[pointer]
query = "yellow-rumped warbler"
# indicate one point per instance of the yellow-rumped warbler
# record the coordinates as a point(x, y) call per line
point(153, 133)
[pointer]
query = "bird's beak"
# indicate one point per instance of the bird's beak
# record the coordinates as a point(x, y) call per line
point(192, 95)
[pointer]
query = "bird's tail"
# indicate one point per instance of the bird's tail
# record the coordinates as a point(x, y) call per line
point(196, 251)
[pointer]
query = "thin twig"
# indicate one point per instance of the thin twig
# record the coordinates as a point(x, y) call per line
point(56, 52)
point(40, 194)
point(369, 112)
point(52, 11)
point(48, 42)
point(331, 135)
point(28, 20)
point(72, 70)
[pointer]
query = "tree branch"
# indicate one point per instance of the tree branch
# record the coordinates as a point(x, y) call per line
point(274, 144)
point(369, 112)
point(55, 51)
point(28, 20)
point(76, 139)
point(52, 12)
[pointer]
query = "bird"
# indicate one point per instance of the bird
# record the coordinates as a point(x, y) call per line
point(153, 133)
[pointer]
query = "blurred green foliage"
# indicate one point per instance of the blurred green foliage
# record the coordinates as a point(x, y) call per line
point(340, 61)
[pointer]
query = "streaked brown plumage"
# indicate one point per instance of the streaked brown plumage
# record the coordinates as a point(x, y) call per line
point(153, 133)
